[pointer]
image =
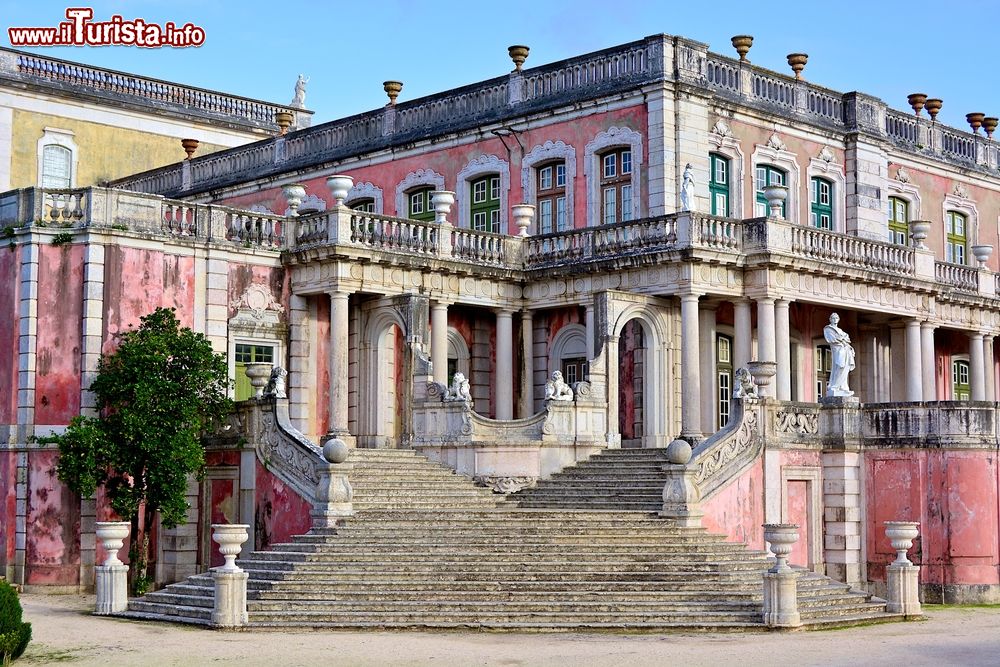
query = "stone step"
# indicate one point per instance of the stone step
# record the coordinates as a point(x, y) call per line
point(198, 613)
point(504, 608)
point(580, 550)
point(486, 618)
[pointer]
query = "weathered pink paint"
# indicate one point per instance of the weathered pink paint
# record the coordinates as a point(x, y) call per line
point(223, 508)
point(8, 501)
point(133, 287)
point(178, 287)
point(53, 544)
point(9, 333)
point(796, 503)
point(60, 305)
point(737, 511)
point(241, 276)
point(281, 512)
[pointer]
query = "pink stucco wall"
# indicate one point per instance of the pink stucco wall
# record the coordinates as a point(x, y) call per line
point(53, 547)
point(281, 512)
point(60, 304)
point(9, 263)
point(737, 511)
point(8, 503)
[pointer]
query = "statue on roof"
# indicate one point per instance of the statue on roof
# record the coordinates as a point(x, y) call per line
point(299, 101)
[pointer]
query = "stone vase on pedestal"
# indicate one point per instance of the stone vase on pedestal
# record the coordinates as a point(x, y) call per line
point(762, 372)
point(339, 186)
point(230, 608)
point(902, 576)
point(522, 214)
point(294, 194)
point(111, 578)
point(781, 608)
point(259, 373)
point(775, 196)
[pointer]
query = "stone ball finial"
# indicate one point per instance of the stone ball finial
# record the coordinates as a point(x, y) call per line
point(392, 89)
point(335, 450)
point(518, 53)
point(742, 44)
point(679, 452)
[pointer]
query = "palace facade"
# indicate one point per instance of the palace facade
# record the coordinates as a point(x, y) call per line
point(377, 256)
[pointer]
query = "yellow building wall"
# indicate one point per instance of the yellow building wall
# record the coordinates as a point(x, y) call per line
point(104, 151)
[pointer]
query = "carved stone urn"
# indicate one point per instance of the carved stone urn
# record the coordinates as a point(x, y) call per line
point(982, 253)
point(762, 372)
point(901, 535)
point(742, 44)
point(518, 53)
point(112, 535)
point(392, 89)
point(523, 215)
point(916, 101)
point(797, 61)
point(189, 146)
point(780, 537)
point(933, 106)
point(442, 201)
point(990, 125)
point(294, 193)
point(230, 537)
point(259, 373)
point(339, 186)
point(975, 121)
point(283, 119)
point(919, 229)
point(775, 196)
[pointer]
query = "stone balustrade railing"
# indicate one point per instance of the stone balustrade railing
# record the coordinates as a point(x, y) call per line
point(854, 251)
point(630, 61)
point(35, 67)
point(958, 276)
point(791, 421)
point(959, 424)
point(382, 232)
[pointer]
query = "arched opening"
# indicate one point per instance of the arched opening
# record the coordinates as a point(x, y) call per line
point(382, 373)
point(632, 376)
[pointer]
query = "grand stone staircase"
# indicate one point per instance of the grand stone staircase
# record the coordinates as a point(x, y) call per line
point(428, 549)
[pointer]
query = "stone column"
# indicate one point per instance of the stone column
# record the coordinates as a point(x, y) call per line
point(990, 373)
point(914, 373)
point(706, 329)
point(766, 349)
point(439, 341)
point(527, 407)
point(743, 340)
point(591, 335)
point(977, 367)
point(842, 516)
point(897, 363)
point(338, 368)
point(690, 369)
point(502, 379)
point(783, 354)
point(929, 379)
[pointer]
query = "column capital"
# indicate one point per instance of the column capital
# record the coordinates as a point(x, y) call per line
point(527, 313)
point(765, 299)
point(338, 294)
point(439, 304)
point(783, 302)
point(503, 312)
point(690, 296)
point(976, 335)
point(927, 324)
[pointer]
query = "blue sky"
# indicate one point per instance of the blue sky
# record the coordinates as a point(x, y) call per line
point(884, 48)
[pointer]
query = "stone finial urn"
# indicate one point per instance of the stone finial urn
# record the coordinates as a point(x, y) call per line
point(797, 61)
point(230, 537)
point(975, 120)
point(742, 44)
point(933, 107)
point(919, 229)
point(259, 373)
point(112, 535)
point(916, 102)
point(518, 53)
point(775, 196)
point(189, 146)
point(442, 201)
point(901, 535)
point(982, 253)
point(283, 119)
point(762, 372)
point(523, 214)
point(339, 185)
point(392, 89)
point(294, 193)
point(780, 537)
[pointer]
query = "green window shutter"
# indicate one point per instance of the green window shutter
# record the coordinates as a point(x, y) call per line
point(956, 229)
point(484, 195)
point(821, 203)
point(899, 217)
point(718, 184)
point(767, 175)
point(418, 204)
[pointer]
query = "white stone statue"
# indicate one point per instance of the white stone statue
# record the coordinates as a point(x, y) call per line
point(745, 388)
point(276, 384)
point(459, 390)
point(842, 358)
point(556, 389)
point(299, 101)
point(687, 189)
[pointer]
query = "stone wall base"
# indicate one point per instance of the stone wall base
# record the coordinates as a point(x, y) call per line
point(947, 593)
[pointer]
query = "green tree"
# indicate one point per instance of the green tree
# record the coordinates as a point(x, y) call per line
point(14, 634)
point(156, 394)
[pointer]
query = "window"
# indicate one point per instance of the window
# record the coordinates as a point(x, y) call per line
point(955, 228)
point(767, 175)
point(616, 186)
point(363, 205)
point(248, 354)
point(821, 204)
point(724, 371)
point(960, 389)
point(824, 364)
point(419, 204)
point(574, 370)
point(718, 185)
point(485, 207)
point(57, 167)
point(550, 185)
point(899, 218)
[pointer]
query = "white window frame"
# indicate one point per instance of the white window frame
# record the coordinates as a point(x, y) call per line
point(415, 179)
point(766, 156)
point(565, 345)
point(365, 190)
point(53, 136)
point(951, 374)
point(544, 153)
point(723, 143)
point(966, 207)
point(614, 137)
point(484, 165)
point(834, 172)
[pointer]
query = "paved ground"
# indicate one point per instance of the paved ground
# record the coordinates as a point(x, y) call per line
point(65, 632)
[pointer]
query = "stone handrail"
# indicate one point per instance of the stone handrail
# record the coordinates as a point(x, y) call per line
point(630, 61)
point(471, 101)
point(382, 232)
point(32, 66)
point(902, 127)
point(248, 159)
point(773, 89)
point(959, 276)
point(852, 250)
point(792, 421)
point(952, 424)
point(646, 234)
point(723, 73)
point(961, 145)
point(480, 247)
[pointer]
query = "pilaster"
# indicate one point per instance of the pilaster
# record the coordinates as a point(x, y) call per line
point(842, 516)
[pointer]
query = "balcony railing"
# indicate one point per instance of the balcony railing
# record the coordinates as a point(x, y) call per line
point(958, 276)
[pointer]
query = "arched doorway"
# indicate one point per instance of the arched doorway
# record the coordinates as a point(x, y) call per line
point(641, 378)
point(382, 376)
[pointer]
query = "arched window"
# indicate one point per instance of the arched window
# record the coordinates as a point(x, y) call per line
point(821, 203)
point(960, 388)
point(899, 218)
point(568, 353)
point(767, 175)
point(418, 204)
point(724, 373)
point(956, 237)
point(616, 186)
point(57, 167)
point(366, 205)
point(485, 203)
point(550, 186)
point(718, 184)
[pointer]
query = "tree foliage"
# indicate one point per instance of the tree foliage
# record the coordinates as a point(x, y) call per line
point(14, 634)
point(156, 393)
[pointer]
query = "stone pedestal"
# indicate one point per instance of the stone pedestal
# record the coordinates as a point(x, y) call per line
point(680, 496)
point(781, 606)
point(903, 582)
point(333, 496)
point(111, 584)
point(230, 609)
